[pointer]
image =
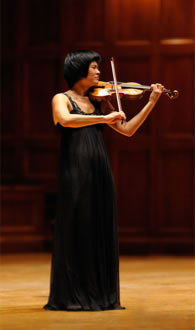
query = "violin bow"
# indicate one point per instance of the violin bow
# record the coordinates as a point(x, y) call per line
point(116, 86)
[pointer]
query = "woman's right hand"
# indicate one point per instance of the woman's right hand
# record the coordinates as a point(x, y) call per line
point(114, 117)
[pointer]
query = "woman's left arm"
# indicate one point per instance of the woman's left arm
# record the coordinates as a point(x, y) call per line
point(128, 128)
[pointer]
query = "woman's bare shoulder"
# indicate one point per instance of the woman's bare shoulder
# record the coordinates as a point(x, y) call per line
point(59, 97)
point(61, 100)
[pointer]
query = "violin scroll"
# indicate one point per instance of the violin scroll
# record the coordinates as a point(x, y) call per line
point(172, 95)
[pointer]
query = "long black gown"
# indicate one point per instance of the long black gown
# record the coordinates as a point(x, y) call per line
point(85, 261)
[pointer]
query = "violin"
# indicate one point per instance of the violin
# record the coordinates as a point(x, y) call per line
point(132, 91)
point(105, 90)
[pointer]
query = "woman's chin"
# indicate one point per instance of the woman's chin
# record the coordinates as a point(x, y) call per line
point(95, 82)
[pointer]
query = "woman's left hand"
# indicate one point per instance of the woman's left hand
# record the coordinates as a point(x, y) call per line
point(157, 90)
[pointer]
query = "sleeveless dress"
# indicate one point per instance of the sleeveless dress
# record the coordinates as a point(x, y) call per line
point(85, 260)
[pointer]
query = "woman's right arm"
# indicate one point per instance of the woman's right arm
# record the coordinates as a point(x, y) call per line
point(62, 115)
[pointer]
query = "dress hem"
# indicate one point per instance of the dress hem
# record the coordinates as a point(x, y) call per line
point(81, 309)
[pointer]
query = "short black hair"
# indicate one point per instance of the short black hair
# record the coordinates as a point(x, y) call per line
point(76, 65)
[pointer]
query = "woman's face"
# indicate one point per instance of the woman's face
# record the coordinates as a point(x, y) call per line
point(93, 73)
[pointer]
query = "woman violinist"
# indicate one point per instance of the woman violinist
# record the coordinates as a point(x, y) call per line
point(85, 261)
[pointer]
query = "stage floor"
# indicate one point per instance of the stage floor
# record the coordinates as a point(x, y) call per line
point(158, 293)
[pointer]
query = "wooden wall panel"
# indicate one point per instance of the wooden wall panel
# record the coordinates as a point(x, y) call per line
point(89, 21)
point(175, 118)
point(138, 69)
point(43, 20)
point(40, 163)
point(8, 14)
point(43, 75)
point(22, 219)
point(177, 19)
point(177, 188)
point(133, 196)
point(8, 157)
point(129, 22)
point(8, 98)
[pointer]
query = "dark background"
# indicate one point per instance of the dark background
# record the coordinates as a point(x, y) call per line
point(151, 41)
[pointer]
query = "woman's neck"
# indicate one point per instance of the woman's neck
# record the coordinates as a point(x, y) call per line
point(79, 89)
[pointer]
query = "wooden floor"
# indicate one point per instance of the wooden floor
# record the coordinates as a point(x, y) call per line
point(158, 293)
